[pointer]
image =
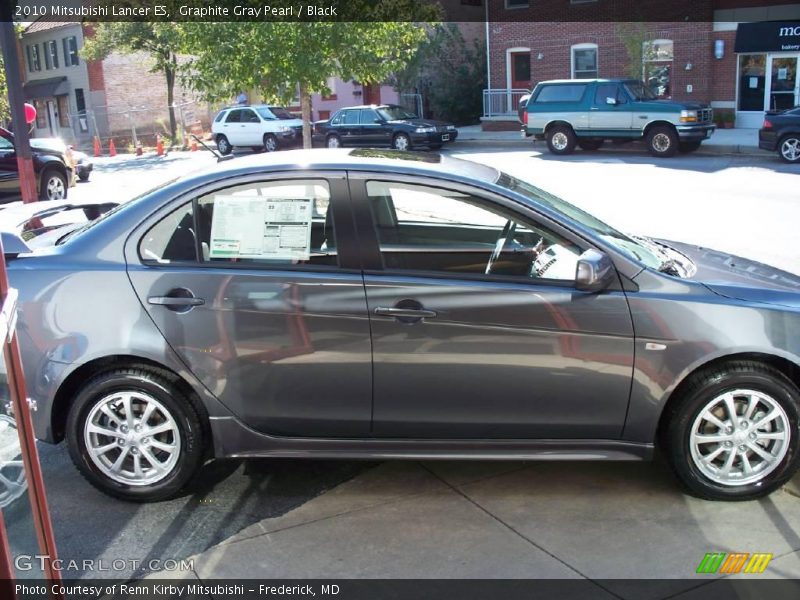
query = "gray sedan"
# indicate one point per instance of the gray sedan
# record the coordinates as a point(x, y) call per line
point(386, 305)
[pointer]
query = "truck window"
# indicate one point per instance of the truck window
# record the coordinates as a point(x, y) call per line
point(562, 93)
point(607, 90)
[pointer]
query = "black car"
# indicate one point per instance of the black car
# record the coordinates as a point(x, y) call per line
point(53, 174)
point(384, 125)
point(781, 132)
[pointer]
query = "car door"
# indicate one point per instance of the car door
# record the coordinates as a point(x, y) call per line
point(372, 128)
point(610, 111)
point(263, 301)
point(252, 131)
point(349, 127)
point(459, 353)
point(232, 127)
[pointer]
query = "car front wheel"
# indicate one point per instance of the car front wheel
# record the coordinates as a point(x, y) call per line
point(789, 148)
point(662, 141)
point(223, 145)
point(53, 186)
point(733, 435)
point(401, 142)
point(133, 434)
point(270, 143)
point(333, 141)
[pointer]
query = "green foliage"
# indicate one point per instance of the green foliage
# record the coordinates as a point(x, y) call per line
point(634, 36)
point(450, 72)
point(5, 108)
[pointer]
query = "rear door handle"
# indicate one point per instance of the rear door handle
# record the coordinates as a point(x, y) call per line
point(175, 301)
point(411, 313)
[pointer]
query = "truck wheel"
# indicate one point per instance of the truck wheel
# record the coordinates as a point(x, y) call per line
point(590, 145)
point(561, 139)
point(662, 141)
point(686, 147)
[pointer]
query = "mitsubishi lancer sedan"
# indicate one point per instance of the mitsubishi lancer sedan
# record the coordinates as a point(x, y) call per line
point(388, 305)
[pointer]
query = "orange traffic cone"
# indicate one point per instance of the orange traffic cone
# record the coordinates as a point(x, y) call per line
point(112, 149)
point(96, 146)
point(159, 146)
point(194, 145)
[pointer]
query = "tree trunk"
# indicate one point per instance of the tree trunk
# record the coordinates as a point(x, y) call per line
point(305, 108)
point(169, 71)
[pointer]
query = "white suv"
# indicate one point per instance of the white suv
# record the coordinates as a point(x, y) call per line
point(259, 127)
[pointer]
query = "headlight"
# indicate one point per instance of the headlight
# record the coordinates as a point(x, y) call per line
point(285, 129)
point(688, 116)
point(425, 129)
point(451, 128)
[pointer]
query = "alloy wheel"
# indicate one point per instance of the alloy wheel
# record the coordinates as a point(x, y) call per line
point(559, 140)
point(13, 483)
point(55, 188)
point(333, 142)
point(401, 143)
point(270, 144)
point(790, 149)
point(739, 437)
point(661, 142)
point(132, 438)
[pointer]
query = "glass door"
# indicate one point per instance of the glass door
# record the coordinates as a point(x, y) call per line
point(783, 90)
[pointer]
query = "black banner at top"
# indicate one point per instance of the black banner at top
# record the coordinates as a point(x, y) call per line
point(380, 10)
point(770, 36)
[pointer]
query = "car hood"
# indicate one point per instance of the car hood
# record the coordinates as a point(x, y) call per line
point(740, 278)
point(670, 104)
point(421, 122)
point(290, 122)
point(49, 145)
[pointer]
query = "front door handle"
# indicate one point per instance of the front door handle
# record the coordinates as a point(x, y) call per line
point(172, 301)
point(410, 313)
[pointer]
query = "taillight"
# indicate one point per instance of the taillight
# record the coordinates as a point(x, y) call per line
point(767, 124)
point(525, 116)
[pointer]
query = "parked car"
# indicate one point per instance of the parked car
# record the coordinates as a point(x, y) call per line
point(260, 127)
point(781, 132)
point(82, 164)
point(380, 304)
point(53, 171)
point(383, 125)
point(586, 112)
point(32, 220)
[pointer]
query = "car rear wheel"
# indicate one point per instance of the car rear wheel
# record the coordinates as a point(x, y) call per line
point(401, 142)
point(53, 186)
point(561, 139)
point(333, 141)
point(590, 145)
point(789, 148)
point(662, 141)
point(733, 435)
point(270, 142)
point(223, 145)
point(134, 435)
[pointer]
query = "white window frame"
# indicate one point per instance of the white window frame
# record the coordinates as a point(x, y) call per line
point(586, 46)
point(509, 74)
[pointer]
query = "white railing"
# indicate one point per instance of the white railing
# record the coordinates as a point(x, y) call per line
point(502, 102)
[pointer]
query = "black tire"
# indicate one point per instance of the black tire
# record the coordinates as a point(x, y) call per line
point(46, 191)
point(590, 145)
point(561, 139)
point(789, 148)
point(402, 142)
point(333, 141)
point(83, 177)
point(270, 143)
point(701, 390)
point(223, 145)
point(686, 147)
point(435, 146)
point(662, 141)
point(159, 385)
point(257, 149)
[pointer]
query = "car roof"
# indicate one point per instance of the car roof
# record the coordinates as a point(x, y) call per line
point(251, 106)
point(370, 106)
point(610, 80)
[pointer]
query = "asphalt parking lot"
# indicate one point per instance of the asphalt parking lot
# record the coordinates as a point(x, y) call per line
point(581, 520)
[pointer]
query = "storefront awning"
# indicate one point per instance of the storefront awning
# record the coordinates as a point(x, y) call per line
point(46, 88)
point(768, 36)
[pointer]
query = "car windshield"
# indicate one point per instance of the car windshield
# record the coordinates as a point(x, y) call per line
point(640, 91)
point(395, 113)
point(275, 112)
point(637, 249)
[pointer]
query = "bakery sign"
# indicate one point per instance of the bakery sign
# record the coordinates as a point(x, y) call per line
point(768, 36)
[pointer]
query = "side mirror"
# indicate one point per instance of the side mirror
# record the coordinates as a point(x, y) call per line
point(378, 120)
point(611, 101)
point(594, 272)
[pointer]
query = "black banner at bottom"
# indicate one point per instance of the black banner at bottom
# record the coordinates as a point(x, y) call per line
point(416, 589)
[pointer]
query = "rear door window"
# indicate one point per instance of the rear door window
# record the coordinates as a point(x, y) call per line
point(234, 116)
point(562, 93)
point(350, 117)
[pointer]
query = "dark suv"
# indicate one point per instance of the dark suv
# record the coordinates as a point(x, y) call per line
point(50, 164)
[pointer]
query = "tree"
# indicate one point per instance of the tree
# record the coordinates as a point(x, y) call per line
point(450, 71)
point(5, 109)
point(280, 59)
point(634, 37)
point(158, 40)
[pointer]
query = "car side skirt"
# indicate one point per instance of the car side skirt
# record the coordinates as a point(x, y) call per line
point(233, 439)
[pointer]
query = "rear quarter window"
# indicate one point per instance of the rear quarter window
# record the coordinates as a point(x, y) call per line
point(561, 93)
point(220, 116)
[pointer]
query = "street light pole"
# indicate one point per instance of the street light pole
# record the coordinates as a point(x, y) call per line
point(27, 179)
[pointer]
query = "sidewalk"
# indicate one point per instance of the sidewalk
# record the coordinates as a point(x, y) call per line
point(723, 141)
point(565, 520)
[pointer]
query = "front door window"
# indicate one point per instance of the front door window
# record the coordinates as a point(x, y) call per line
point(752, 81)
point(783, 92)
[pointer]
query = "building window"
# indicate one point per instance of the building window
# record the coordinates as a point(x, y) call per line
point(752, 81)
point(34, 60)
point(41, 114)
point(331, 84)
point(51, 54)
point(70, 51)
point(584, 61)
point(80, 101)
point(324, 115)
point(516, 4)
point(657, 57)
point(63, 110)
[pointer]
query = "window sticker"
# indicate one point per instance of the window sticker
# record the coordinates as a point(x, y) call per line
point(258, 227)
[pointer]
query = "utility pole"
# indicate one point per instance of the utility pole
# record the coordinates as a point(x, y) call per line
point(8, 40)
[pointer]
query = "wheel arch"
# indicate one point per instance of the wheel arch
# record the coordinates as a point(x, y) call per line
point(784, 365)
point(65, 394)
point(554, 122)
point(658, 123)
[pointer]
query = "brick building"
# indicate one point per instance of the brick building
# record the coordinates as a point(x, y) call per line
point(741, 56)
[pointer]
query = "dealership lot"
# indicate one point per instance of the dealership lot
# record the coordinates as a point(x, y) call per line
point(568, 520)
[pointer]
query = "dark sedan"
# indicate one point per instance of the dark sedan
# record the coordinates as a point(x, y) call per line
point(781, 132)
point(53, 175)
point(386, 125)
point(378, 304)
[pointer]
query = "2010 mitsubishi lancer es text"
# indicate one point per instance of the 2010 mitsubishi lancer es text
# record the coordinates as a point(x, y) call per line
point(389, 305)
